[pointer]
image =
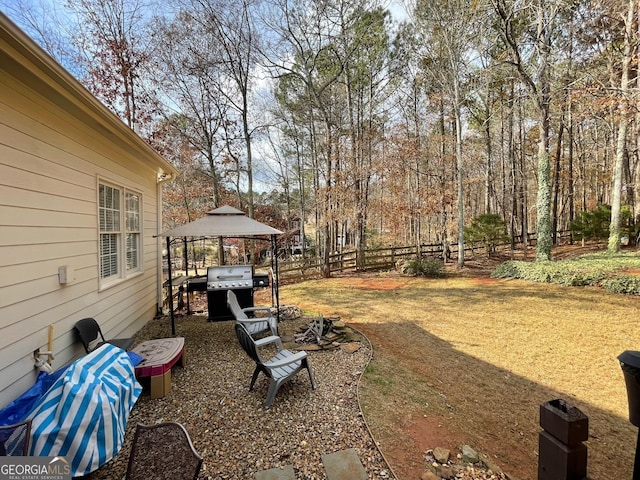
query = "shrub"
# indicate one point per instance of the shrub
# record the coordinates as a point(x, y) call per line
point(564, 273)
point(627, 284)
point(594, 225)
point(507, 270)
point(488, 230)
point(592, 269)
point(426, 267)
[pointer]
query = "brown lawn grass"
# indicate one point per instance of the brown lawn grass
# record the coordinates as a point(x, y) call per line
point(470, 359)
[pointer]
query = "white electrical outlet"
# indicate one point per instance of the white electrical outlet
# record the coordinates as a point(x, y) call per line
point(66, 274)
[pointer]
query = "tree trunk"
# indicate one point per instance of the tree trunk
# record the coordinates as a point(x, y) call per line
point(543, 205)
point(460, 174)
point(614, 228)
point(487, 139)
point(571, 192)
point(556, 181)
point(443, 187)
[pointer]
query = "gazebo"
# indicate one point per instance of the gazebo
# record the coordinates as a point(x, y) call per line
point(229, 222)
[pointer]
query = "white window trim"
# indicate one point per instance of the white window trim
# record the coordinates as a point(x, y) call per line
point(123, 274)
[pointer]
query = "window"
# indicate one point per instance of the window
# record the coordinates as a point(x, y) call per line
point(120, 235)
point(132, 202)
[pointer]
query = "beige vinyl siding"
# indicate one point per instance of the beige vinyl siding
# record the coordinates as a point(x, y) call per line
point(61, 142)
point(50, 165)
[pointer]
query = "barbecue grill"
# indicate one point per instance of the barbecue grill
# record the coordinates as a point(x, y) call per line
point(240, 279)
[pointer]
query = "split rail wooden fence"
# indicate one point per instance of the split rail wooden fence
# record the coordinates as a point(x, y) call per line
point(300, 269)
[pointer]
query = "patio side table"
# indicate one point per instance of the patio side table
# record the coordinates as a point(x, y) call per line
point(159, 356)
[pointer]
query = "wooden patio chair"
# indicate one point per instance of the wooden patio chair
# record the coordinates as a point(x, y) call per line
point(279, 368)
point(14, 439)
point(254, 325)
point(163, 452)
point(91, 336)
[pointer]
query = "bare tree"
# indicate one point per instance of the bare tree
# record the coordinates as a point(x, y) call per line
point(535, 76)
point(110, 37)
point(232, 25)
point(186, 61)
point(48, 24)
point(624, 112)
point(304, 52)
point(448, 31)
point(365, 50)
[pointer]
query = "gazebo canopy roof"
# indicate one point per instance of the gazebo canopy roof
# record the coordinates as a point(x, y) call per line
point(224, 221)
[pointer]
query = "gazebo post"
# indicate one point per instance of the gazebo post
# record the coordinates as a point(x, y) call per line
point(276, 281)
point(173, 326)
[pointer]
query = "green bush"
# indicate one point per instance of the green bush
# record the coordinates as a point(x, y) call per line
point(487, 230)
point(600, 269)
point(594, 225)
point(426, 267)
point(627, 284)
point(563, 273)
point(507, 270)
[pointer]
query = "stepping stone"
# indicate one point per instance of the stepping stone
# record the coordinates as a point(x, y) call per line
point(344, 465)
point(351, 347)
point(284, 473)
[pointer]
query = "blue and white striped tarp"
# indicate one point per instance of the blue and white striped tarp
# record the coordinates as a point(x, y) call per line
point(84, 414)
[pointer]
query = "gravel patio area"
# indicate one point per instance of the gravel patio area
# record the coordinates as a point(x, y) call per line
point(228, 424)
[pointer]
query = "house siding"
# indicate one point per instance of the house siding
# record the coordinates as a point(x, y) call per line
point(51, 161)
